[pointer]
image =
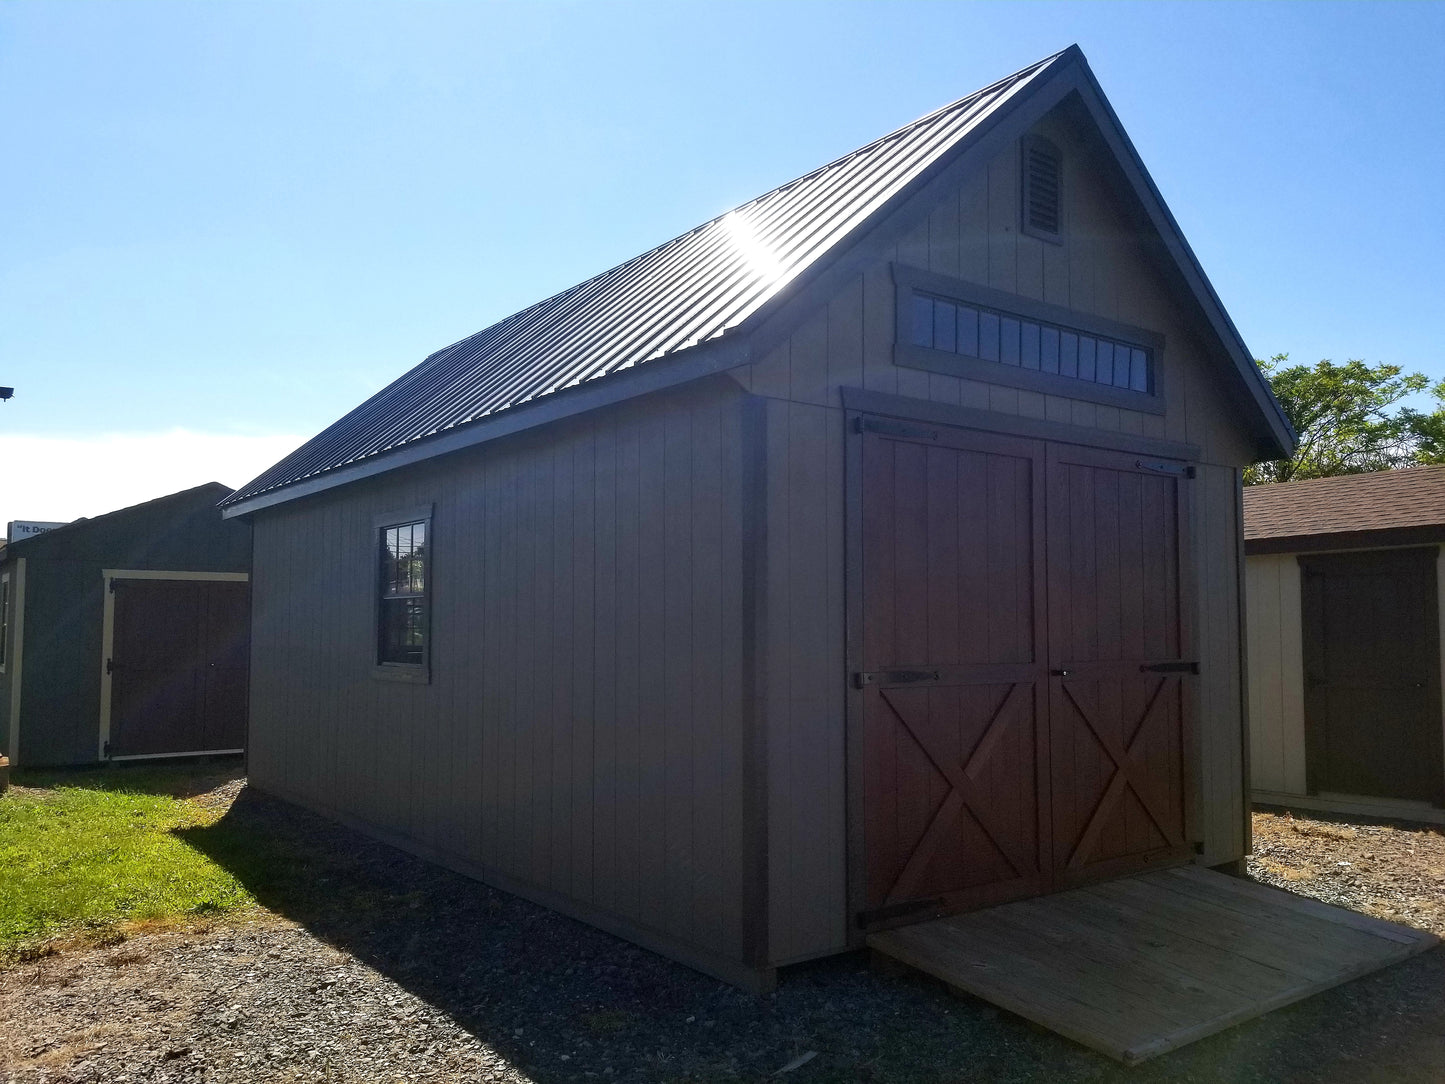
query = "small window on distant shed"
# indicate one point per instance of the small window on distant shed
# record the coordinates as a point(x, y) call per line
point(402, 613)
point(1043, 189)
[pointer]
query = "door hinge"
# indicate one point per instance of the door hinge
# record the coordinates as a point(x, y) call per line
point(899, 910)
point(105, 750)
point(112, 582)
point(110, 666)
point(894, 429)
point(1179, 470)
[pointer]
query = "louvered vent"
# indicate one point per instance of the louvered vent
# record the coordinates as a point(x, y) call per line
point(1043, 188)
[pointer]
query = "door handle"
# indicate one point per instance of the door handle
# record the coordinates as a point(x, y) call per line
point(1060, 673)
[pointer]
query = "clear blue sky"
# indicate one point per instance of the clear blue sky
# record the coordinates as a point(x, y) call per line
point(242, 218)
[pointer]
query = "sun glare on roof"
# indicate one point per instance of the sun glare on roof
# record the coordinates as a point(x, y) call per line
point(750, 246)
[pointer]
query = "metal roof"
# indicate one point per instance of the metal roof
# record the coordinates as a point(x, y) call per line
point(693, 289)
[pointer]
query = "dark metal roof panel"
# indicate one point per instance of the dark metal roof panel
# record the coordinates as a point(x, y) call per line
point(692, 289)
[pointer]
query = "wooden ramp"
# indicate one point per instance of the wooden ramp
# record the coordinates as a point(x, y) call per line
point(1143, 965)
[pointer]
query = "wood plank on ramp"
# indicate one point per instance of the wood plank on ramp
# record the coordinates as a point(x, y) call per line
point(1142, 965)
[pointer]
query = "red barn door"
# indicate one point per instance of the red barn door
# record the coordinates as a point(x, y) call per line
point(1026, 668)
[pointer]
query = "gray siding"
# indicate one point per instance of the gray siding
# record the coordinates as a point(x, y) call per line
point(584, 734)
point(64, 602)
point(1104, 268)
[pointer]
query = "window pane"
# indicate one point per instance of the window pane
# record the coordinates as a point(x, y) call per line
point(418, 559)
point(988, 336)
point(1029, 346)
point(1086, 358)
point(1104, 364)
point(968, 331)
point(1008, 340)
point(1049, 349)
point(1139, 371)
point(1068, 354)
point(945, 324)
point(922, 321)
point(1122, 365)
point(403, 630)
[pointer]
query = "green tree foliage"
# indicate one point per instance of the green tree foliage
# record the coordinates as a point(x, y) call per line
point(1347, 422)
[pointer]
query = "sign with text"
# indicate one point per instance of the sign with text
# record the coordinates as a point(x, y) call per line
point(17, 529)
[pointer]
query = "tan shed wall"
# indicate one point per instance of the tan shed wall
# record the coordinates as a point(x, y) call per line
point(1276, 674)
point(1102, 269)
point(583, 736)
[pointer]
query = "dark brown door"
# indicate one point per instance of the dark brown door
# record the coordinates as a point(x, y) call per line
point(178, 666)
point(1120, 660)
point(1372, 674)
point(954, 667)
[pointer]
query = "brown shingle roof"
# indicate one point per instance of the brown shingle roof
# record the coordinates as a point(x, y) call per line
point(1384, 501)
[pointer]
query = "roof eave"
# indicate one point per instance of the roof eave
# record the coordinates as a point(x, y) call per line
point(1280, 439)
point(683, 367)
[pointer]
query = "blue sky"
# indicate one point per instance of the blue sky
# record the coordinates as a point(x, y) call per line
point(227, 223)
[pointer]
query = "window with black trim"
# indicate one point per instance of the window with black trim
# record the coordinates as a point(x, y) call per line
point(974, 331)
point(959, 328)
point(402, 616)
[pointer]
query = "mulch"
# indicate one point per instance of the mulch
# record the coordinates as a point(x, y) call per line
point(448, 980)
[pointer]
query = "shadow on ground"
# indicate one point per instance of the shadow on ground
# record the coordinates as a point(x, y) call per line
point(591, 1007)
point(140, 777)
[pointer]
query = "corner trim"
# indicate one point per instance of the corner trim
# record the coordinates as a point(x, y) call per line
point(899, 406)
point(17, 631)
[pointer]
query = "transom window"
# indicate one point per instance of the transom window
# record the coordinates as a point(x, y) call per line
point(402, 618)
point(991, 335)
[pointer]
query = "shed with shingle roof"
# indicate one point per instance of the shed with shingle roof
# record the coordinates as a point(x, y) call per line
point(870, 551)
point(1343, 580)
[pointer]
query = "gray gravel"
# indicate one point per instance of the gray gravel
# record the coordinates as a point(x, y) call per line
point(384, 968)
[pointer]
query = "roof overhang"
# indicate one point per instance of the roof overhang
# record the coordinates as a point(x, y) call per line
point(1385, 538)
point(681, 368)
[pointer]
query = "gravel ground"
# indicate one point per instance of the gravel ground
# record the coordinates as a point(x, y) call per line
point(1388, 870)
point(420, 975)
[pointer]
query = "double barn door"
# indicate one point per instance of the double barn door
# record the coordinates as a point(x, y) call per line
point(1026, 685)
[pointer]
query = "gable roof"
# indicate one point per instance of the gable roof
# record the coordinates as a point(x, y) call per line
point(208, 493)
point(1393, 507)
point(691, 296)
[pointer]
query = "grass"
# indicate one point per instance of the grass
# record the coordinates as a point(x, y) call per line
point(91, 851)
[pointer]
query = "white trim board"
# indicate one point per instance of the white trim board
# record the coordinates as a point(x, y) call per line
point(107, 638)
point(188, 753)
point(17, 634)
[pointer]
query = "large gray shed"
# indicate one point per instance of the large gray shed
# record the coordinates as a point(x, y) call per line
point(870, 552)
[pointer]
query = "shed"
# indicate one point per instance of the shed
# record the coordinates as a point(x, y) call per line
point(1343, 588)
point(868, 553)
point(126, 636)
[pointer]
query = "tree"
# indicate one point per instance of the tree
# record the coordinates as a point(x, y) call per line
point(1342, 414)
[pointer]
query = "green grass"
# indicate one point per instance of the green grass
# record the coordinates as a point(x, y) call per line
point(91, 851)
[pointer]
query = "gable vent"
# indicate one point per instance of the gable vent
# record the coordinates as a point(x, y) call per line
point(1043, 188)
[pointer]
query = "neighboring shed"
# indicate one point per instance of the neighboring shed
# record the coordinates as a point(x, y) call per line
point(126, 636)
point(1343, 590)
point(869, 552)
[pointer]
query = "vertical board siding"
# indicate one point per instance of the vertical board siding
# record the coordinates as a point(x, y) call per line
point(1102, 268)
point(805, 681)
point(1276, 674)
point(583, 730)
